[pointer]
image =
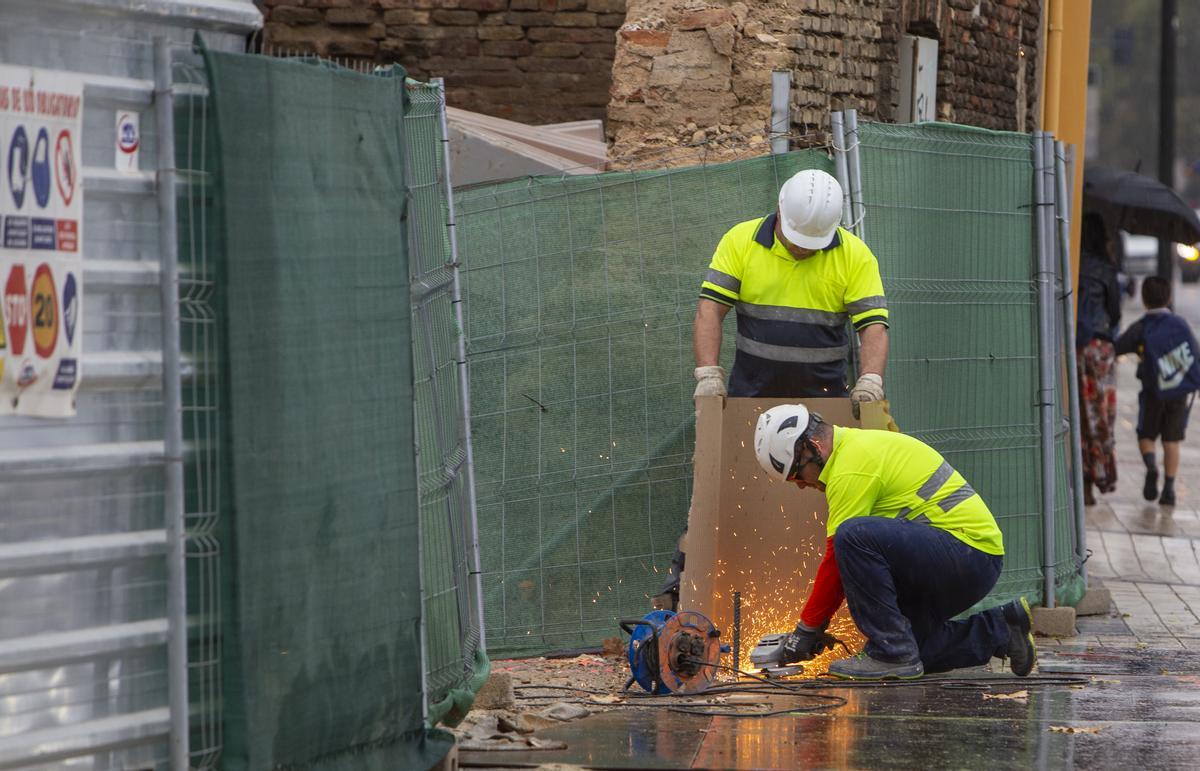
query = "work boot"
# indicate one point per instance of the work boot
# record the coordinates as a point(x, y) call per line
point(1021, 652)
point(1150, 488)
point(863, 667)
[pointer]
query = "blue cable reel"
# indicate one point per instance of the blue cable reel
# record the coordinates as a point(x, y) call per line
point(673, 652)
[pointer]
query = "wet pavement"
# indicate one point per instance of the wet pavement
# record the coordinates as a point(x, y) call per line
point(1133, 708)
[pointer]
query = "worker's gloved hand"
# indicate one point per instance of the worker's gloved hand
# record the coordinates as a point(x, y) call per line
point(869, 388)
point(805, 642)
point(710, 381)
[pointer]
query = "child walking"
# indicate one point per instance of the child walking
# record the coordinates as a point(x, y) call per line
point(1170, 376)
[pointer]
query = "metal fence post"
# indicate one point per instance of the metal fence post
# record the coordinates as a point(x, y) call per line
point(781, 97)
point(1063, 212)
point(464, 379)
point(842, 168)
point(840, 165)
point(1044, 278)
point(172, 395)
point(857, 209)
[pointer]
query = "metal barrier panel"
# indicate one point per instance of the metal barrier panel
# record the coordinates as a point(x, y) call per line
point(970, 257)
point(958, 260)
point(452, 614)
point(580, 295)
point(83, 601)
point(206, 489)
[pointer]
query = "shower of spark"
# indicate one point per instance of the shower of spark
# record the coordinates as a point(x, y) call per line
point(774, 590)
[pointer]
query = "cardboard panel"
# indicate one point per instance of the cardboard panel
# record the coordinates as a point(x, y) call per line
point(749, 534)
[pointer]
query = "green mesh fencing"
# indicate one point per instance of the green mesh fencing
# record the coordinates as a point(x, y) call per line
point(950, 216)
point(322, 651)
point(581, 293)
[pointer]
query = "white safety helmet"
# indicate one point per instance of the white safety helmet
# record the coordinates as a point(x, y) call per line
point(776, 435)
point(810, 208)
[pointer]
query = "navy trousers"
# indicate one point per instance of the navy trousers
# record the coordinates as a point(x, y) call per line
point(905, 580)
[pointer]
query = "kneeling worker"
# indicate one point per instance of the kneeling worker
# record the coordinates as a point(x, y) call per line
point(911, 545)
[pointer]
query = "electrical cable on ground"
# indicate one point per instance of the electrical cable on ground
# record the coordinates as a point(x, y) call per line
point(652, 701)
point(768, 687)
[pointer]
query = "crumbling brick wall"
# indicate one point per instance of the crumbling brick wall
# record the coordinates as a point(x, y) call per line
point(535, 61)
point(987, 60)
point(697, 73)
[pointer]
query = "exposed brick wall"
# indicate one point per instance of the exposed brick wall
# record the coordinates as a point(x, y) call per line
point(686, 72)
point(987, 63)
point(691, 72)
point(535, 61)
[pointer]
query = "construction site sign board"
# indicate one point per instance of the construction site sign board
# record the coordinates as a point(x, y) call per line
point(41, 241)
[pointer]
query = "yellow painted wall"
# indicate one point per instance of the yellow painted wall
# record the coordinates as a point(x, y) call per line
point(1064, 99)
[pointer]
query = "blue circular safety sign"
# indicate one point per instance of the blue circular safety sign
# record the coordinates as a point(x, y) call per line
point(127, 133)
point(40, 169)
point(18, 165)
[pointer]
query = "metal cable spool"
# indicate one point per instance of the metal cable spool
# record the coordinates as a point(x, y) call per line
point(673, 652)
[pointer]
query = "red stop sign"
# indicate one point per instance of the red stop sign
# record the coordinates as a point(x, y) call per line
point(16, 309)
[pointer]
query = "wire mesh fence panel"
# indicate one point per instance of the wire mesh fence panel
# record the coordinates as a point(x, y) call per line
point(452, 634)
point(580, 294)
point(953, 225)
point(206, 495)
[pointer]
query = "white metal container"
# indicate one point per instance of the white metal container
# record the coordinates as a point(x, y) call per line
point(86, 510)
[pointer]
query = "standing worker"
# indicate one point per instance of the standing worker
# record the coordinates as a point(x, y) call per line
point(1097, 320)
point(794, 278)
point(910, 545)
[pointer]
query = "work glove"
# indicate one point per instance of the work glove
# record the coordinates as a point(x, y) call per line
point(805, 642)
point(869, 388)
point(710, 381)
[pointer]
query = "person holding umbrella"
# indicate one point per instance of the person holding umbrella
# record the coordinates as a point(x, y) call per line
point(1139, 205)
point(1097, 321)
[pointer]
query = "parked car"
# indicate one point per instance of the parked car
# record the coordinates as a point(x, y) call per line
point(1141, 257)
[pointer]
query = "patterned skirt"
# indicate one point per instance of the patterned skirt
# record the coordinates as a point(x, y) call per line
point(1098, 413)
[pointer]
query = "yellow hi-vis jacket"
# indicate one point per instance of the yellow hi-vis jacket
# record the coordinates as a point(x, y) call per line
point(887, 474)
point(791, 314)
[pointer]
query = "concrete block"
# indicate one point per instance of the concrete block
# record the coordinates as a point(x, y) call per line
point(1054, 622)
point(1097, 601)
point(496, 693)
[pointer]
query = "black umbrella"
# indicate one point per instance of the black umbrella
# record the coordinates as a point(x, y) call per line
point(1139, 204)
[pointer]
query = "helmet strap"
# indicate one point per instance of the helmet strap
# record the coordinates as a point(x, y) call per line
point(814, 455)
point(807, 454)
